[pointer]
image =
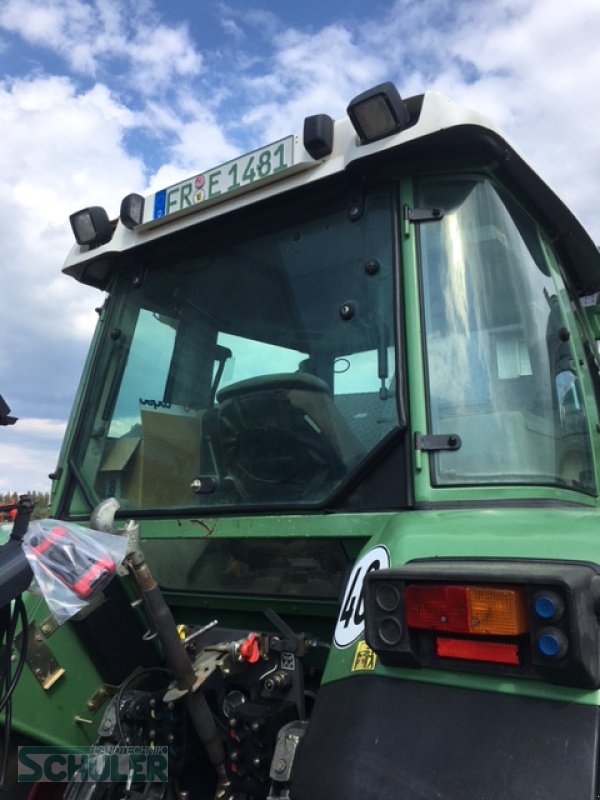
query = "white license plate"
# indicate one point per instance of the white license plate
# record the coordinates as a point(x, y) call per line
point(261, 166)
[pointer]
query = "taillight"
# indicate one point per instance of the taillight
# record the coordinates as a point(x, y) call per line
point(466, 609)
point(532, 619)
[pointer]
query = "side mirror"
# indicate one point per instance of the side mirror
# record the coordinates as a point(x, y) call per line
point(5, 419)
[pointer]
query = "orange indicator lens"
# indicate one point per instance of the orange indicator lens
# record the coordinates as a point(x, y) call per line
point(501, 612)
point(466, 609)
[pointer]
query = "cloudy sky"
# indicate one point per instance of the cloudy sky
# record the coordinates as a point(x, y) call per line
point(100, 98)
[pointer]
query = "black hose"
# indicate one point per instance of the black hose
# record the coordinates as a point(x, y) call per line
point(8, 681)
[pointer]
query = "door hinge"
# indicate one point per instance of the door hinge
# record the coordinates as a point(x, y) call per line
point(39, 657)
point(437, 441)
point(417, 215)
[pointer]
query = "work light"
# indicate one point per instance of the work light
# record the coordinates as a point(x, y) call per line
point(91, 226)
point(378, 112)
point(318, 135)
point(132, 210)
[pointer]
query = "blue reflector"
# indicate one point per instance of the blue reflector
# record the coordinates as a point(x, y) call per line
point(548, 605)
point(552, 643)
point(549, 644)
point(545, 607)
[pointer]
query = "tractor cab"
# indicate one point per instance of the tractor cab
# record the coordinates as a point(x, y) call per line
point(343, 400)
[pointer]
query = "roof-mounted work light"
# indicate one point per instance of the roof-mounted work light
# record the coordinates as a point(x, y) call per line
point(132, 210)
point(91, 226)
point(378, 112)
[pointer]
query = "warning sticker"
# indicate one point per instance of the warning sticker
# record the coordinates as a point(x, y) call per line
point(364, 658)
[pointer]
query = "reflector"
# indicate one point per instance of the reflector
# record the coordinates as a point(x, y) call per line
point(552, 643)
point(548, 606)
point(471, 650)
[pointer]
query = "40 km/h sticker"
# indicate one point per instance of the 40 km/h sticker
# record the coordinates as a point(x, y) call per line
point(351, 621)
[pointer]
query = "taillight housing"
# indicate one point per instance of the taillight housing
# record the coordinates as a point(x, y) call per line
point(522, 618)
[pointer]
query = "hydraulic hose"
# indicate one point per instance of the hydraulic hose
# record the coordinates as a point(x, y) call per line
point(178, 661)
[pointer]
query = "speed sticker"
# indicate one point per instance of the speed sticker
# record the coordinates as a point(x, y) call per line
point(351, 621)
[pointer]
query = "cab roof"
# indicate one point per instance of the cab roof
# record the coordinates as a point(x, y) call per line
point(438, 130)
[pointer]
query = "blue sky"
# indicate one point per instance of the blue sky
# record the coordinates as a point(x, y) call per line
point(100, 98)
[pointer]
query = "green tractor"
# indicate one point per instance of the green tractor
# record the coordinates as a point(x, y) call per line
point(343, 402)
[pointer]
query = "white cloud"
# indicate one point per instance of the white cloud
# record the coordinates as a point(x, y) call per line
point(62, 151)
point(232, 29)
point(161, 55)
point(539, 78)
point(309, 73)
point(202, 141)
point(39, 23)
point(255, 20)
point(53, 429)
point(89, 36)
point(25, 462)
point(65, 143)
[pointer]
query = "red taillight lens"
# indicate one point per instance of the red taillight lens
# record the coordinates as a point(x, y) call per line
point(467, 609)
point(437, 608)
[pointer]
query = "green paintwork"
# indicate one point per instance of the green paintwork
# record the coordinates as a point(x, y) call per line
point(342, 662)
point(593, 318)
point(557, 533)
point(60, 484)
point(49, 716)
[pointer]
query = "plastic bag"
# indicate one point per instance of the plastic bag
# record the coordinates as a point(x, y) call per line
point(70, 563)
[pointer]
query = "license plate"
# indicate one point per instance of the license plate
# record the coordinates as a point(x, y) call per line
point(242, 174)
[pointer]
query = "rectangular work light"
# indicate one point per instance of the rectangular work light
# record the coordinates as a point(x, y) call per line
point(91, 226)
point(132, 210)
point(378, 112)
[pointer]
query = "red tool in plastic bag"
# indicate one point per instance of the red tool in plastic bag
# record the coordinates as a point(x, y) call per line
point(76, 568)
point(71, 563)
